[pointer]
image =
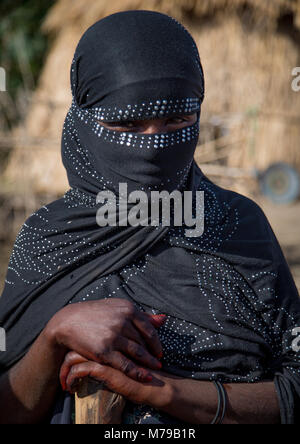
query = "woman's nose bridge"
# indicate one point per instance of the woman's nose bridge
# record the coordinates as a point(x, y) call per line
point(153, 127)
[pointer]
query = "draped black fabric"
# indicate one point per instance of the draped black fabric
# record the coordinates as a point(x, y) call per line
point(231, 301)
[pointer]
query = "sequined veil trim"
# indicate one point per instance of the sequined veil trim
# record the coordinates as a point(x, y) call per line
point(152, 109)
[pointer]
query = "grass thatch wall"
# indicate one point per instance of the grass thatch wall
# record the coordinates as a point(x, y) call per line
point(248, 49)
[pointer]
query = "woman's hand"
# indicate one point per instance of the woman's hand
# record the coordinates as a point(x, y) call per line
point(188, 400)
point(110, 332)
point(154, 392)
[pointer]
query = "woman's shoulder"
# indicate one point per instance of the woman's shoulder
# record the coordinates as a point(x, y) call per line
point(235, 200)
point(45, 214)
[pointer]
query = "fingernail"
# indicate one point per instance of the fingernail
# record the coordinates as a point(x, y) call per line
point(160, 356)
point(159, 317)
point(159, 365)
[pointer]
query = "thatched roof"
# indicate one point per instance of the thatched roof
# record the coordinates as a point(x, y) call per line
point(83, 12)
point(248, 80)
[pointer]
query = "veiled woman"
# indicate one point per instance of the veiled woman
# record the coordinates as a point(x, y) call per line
point(86, 298)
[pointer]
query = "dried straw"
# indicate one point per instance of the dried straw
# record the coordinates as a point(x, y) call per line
point(248, 66)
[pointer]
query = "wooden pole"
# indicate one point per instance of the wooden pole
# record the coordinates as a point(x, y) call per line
point(95, 404)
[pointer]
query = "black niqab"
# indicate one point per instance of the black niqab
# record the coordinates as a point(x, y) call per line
point(229, 296)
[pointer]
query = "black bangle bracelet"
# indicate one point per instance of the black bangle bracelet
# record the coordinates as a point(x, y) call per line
point(215, 420)
point(224, 399)
point(222, 403)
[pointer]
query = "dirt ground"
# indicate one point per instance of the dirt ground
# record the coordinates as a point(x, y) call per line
point(285, 221)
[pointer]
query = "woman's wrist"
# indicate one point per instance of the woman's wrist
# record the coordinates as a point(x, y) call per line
point(51, 336)
point(162, 392)
point(181, 398)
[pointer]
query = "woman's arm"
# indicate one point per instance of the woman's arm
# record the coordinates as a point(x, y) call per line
point(196, 401)
point(192, 401)
point(109, 331)
point(28, 390)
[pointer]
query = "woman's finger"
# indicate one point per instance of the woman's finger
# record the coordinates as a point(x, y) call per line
point(138, 353)
point(82, 370)
point(71, 359)
point(130, 331)
point(149, 333)
point(113, 379)
point(156, 320)
point(118, 361)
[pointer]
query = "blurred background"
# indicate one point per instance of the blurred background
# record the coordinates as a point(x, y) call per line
point(250, 118)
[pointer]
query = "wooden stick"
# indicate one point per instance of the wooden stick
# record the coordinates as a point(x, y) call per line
point(95, 404)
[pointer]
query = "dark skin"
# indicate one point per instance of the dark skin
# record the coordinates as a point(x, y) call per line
point(113, 342)
point(155, 126)
point(188, 400)
point(111, 332)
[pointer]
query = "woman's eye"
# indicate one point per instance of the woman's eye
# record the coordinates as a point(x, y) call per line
point(176, 120)
point(126, 125)
point(122, 126)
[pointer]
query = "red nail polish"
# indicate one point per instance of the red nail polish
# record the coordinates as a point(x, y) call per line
point(160, 356)
point(161, 318)
point(149, 378)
